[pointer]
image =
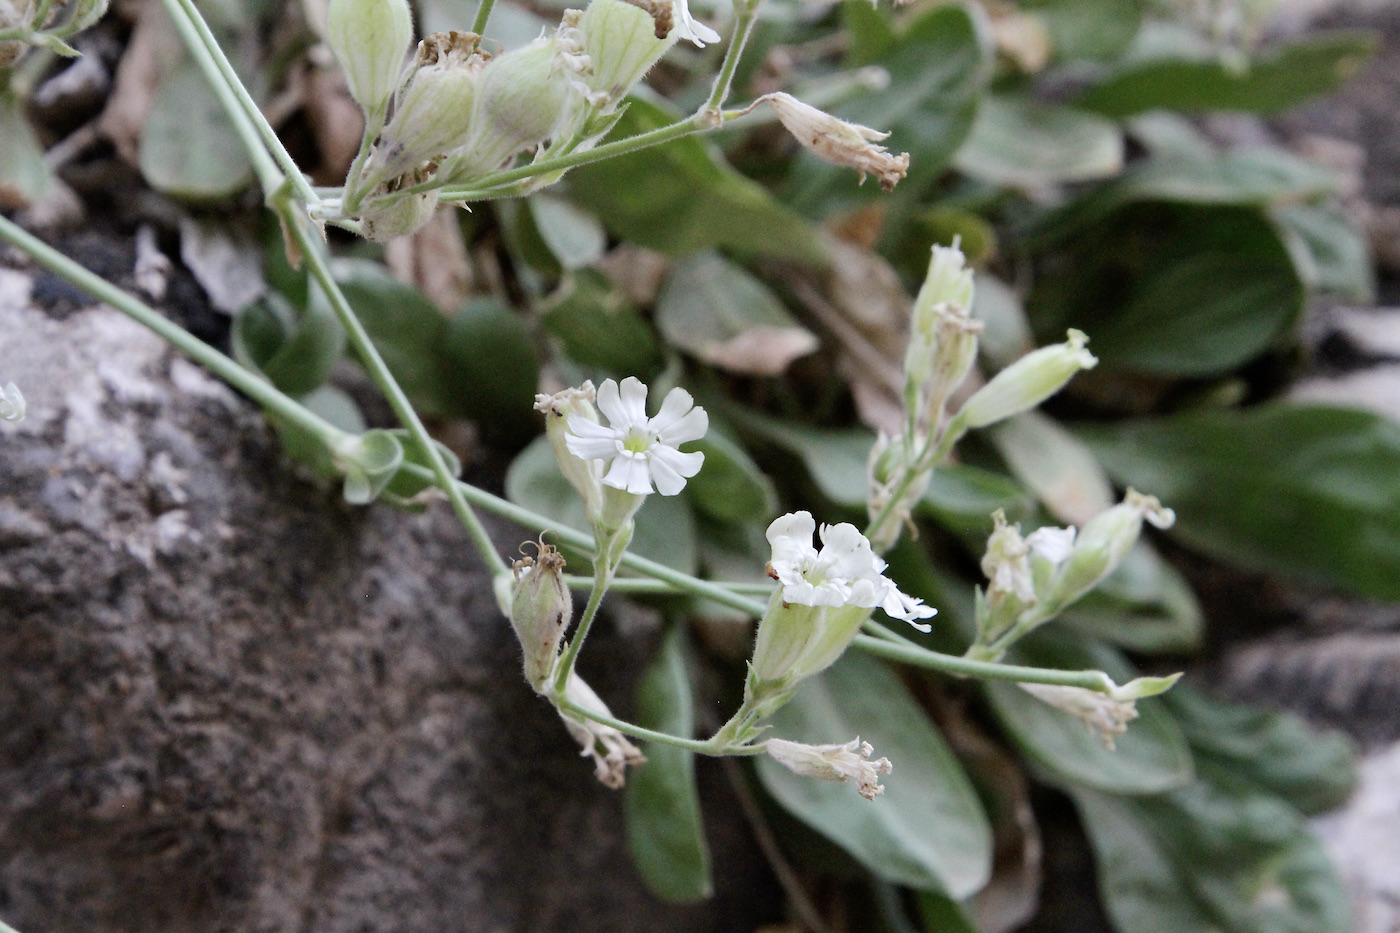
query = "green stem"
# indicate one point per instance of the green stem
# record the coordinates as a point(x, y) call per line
point(654, 137)
point(379, 372)
point(933, 456)
point(602, 576)
point(250, 384)
point(202, 45)
point(269, 176)
point(743, 28)
point(646, 587)
point(354, 191)
point(1097, 681)
point(483, 13)
point(637, 732)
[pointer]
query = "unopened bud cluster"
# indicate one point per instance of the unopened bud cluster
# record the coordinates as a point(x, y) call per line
point(1031, 580)
point(460, 112)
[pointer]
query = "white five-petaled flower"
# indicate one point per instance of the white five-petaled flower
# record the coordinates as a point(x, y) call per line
point(640, 450)
point(846, 572)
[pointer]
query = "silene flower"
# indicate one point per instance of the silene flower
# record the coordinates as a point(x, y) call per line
point(849, 763)
point(638, 450)
point(687, 27)
point(845, 572)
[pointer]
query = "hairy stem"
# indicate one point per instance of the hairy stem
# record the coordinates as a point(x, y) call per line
point(637, 732)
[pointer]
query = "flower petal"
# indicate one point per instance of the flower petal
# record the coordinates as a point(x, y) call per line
point(688, 28)
point(686, 465)
point(790, 537)
point(634, 404)
point(678, 401)
point(589, 440)
point(610, 404)
point(629, 472)
point(668, 481)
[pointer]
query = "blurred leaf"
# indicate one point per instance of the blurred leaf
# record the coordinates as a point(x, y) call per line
point(1182, 291)
point(1055, 464)
point(927, 831)
point(406, 327)
point(962, 498)
point(942, 914)
point(938, 67)
point(1016, 141)
point(188, 147)
point(494, 368)
point(599, 328)
point(661, 802)
point(1093, 29)
point(1276, 79)
point(1170, 136)
point(1267, 751)
point(718, 312)
point(1298, 490)
point(1331, 256)
point(1006, 335)
point(575, 237)
point(1150, 757)
point(296, 348)
point(1204, 860)
point(682, 196)
point(24, 178)
point(730, 488)
point(665, 525)
point(871, 30)
point(1145, 605)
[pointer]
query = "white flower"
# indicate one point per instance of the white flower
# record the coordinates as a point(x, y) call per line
point(1050, 543)
point(1007, 563)
point(689, 28)
point(642, 450)
point(11, 403)
point(610, 750)
point(846, 572)
point(848, 763)
point(837, 141)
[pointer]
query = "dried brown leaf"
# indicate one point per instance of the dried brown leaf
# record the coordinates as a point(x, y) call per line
point(434, 260)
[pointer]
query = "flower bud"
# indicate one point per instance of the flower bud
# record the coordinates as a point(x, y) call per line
point(837, 141)
point(11, 403)
point(369, 38)
point(623, 39)
point(1027, 382)
point(612, 753)
point(891, 461)
point(386, 216)
point(521, 97)
point(11, 16)
point(1103, 543)
point(849, 763)
point(586, 476)
point(797, 641)
point(433, 113)
point(540, 611)
point(942, 336)
point(1106, 714)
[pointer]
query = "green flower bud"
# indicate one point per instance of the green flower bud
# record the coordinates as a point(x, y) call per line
point(369, 38)
point(384, 216)
point(1027, 382)
point(623, 39)
point(540, 611)
point(1103, 543)
point(586, 476)
point(433, 114)
point(521, 98)
point(942, 336)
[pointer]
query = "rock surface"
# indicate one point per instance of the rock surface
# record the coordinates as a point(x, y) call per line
point(229, 702)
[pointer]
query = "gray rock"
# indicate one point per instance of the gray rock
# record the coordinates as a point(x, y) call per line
point(230, 702)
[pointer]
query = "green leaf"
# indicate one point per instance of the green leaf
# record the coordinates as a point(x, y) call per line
point(962, 498)
point(1021, 142)
point(682, 196)
point(188, 148)
point(665, 529)
point(406, 327)
point(599, 327)
point(661, 802)
point(24, 178)
point(928, 830)
point(1055, 465)
point(938, 67)
point(1204, 859)
point(574, 236)
point(370, 463)
point(1267, 751)
point(716, 311)
point(494, 368)
point(942, 914)
point(730, 488)
point(296, 348)
point(1145, 605)
point(1173, 290)
point(1298, 490)
point(1275, 80)
point(1331, 256)
point(404, 487)
point(1151, 757)
point(1093, 29)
